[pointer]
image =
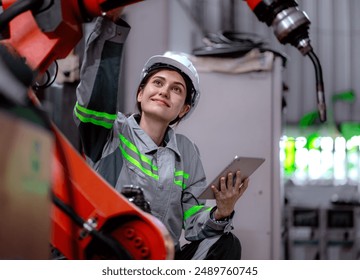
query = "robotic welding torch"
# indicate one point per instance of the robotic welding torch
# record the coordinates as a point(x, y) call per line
point(291, 26)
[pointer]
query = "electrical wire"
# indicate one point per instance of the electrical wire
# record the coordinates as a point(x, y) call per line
point(48, 82)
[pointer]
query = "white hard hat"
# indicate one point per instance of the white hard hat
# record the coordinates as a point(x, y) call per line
point(181, 62)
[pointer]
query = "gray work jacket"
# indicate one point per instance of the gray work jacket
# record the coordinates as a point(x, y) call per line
point(172, 176)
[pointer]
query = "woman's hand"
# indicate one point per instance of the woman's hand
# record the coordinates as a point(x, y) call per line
point(229, 193)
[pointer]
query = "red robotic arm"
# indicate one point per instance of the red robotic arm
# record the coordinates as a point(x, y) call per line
point(49, 30)
point(84, 224)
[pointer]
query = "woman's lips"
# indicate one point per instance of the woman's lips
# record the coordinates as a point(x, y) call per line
point(161, 101)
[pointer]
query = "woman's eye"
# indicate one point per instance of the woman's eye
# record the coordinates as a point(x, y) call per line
point(157, 82)
point(177, 89)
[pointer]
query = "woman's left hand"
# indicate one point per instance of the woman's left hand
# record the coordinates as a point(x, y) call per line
point(228, 194)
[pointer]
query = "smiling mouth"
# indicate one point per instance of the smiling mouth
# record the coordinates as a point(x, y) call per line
point(161, 102)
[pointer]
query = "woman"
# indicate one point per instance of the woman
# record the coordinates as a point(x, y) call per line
point(143, 150)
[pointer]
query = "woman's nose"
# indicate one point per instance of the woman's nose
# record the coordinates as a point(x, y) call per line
point(165, 92)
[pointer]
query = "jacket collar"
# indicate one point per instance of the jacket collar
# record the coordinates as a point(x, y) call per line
point(149, 145)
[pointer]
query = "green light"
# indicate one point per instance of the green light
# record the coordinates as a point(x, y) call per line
point(289, 163)
point(313, 141)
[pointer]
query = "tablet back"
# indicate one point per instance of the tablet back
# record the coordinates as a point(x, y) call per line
point(246, 165)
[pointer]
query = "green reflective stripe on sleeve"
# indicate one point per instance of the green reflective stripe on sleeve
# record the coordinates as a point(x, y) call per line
point(93, 121)
point(180, 183)
point(132, 147)
point(138, 164)
point(110, 117)
point(182, 173)
point(193, 210)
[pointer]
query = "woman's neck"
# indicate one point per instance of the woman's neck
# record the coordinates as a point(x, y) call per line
point(155, 129)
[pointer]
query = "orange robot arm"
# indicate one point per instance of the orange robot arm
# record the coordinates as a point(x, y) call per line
point(89, 219)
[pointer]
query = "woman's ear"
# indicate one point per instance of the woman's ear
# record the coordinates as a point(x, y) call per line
point(139, 94)
point(184, 110)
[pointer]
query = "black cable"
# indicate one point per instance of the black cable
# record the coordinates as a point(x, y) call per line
point(55, 74)
point(119, 251)
point(36, 86)
point(319, 86)
point(48, 82)
point(318, 70)
point(67, 210)
point(16, 9)
point(182, 206)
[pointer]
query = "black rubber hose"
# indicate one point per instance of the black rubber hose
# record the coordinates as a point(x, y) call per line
point(319, 86)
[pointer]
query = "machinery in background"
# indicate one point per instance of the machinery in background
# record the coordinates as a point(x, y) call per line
point(322, 232)
point(84, 225)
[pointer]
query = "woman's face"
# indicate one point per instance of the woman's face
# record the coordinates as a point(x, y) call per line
point(163, 97)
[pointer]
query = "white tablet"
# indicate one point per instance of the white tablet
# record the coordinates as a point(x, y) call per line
point(246, 165)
